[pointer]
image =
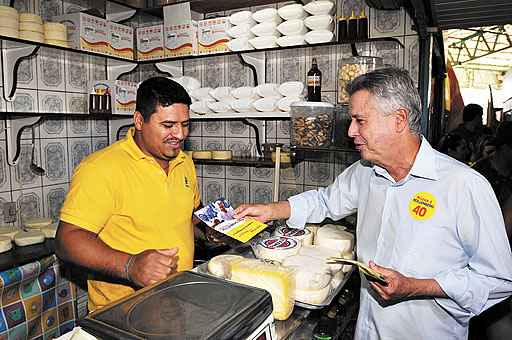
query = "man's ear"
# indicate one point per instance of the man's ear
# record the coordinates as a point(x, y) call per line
point(138, 120)
point(401, 120)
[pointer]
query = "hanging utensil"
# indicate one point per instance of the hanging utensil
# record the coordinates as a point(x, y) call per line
point(33, 166)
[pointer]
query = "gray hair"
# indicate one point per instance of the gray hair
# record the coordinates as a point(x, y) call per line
point(392, 88)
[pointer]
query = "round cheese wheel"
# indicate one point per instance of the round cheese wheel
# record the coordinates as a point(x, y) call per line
point(61, 43)
point(221, 265)
point(202, 155)
point(5, 244)
point(8, 11)
point(50, 231)
point(9, 231)
point(337, 279)
point(335, 237)
point(9, 32)
point(55, 35)
point(32, 36)
point(30, 26)
point(37, 222)
point(54, 27)
point(349, 256)
point(222, 154)
point(276, 248)
point(30, 17)
point(304, 236)
point(9, 22)
point(27, 238)
point(322, 254)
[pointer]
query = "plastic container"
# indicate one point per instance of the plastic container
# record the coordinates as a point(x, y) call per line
point(351, 68)
point(311, 124)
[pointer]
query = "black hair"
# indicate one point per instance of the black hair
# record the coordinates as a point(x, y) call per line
point(159, 91)
point(472, 111)
point(450, 141)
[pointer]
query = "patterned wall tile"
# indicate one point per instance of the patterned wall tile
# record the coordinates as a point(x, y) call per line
point(288, 190)
point(391, 52)
point(25, 101)
point(50, 70)
point(339, 168)
point(193, 143)
point(293, 175)
point(78, 127)
point(236, 128)
point(412, 56)
point(27, 73)
point(147, 71)
point(195, 128)
point(320, 174)
point(213, 189)
point(260, 192)
point(270, 130)
point(283, 129)
point(97, 68)
point(72, 6)
point(238, 172)
point(262, 174)
point(240, 147)
point(52, 102)
point(5, 170)
point(29, 202)
point(25, 5)
point(78, 149)
point(347, 6)
point(292, 66)
point(409, 25)
point(54, 161)
point(76, 103)
point(53, 198)
point(53, 128)
point(50, 8)
point(217, 171)
point(99, 143)
point(4, 198)
point(214, 128)
point(271, 67)
point(214, 72)
point(99, 127)
point(326, 58)
point(386, 23)
point(77, 72)
point(237, 192)
point(21, 175)
point(194, 68)
point(238, 74)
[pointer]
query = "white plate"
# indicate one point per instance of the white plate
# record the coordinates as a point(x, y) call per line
point(239, 44)
point(243, 92)
point(319, 22)
point(319, 7)
point(200, 107)
point(242, 105)
point(317, 37)
point(265, 29)
point(292, 27)
point(267, 14)
point(189, 83)
point(291, 40)
point(243, 30)
point(284, 103)
point(242, 17)
point(291, 88)
point(221, 93)
point(202, 93)
point(293, 11)
point(267, 104)
point(267, 90)
point(263, 42)
point(219, 107)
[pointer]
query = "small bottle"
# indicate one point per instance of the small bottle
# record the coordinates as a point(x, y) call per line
point(314, 81)
point(327, 326)
point(362, 26)
point(352, 27)
point(342, 29)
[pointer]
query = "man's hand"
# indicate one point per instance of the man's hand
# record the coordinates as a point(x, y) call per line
point(400, 286)
point(264, 212)
point(153, 265)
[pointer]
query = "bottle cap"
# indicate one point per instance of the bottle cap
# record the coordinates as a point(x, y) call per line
point(353, 15)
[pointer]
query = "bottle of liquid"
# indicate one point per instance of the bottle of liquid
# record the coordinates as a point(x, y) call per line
point(314, 81)
point(352, 27)
point(326, 329)
point(342, 29)
point(362, 26)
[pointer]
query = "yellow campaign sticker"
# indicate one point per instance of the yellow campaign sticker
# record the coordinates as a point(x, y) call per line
point(422, 206)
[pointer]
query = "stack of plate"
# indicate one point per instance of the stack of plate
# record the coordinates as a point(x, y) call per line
point(55, 33)
point(241, 31)
point(31, 27)
point(8, 22)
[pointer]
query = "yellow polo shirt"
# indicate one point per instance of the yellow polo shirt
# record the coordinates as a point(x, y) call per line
point(126, 198)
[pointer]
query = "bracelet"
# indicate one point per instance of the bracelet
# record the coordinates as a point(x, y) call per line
point(127, 267)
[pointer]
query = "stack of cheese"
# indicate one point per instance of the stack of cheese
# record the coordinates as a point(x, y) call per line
point(8, 22)
point(55, 33)
point(7, 233)
point(43, 224)
point(31, 27)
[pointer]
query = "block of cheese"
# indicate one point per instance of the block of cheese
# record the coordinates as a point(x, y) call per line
point(322, 254)
point(27, 238)
point(5, 244)
point(37, 222)
point(222, 154)
point(202, 155)
point(9, 231)
point(336, 279)
point(312, 278)
point(221, 265)
point(61, 43)
point(50, 231)
point(277, 280)
point(30, 26)
point(30, 17)
point(9, 22)
point(32, 36)
point(335, 237)
point(8, 11)
point(349, 256)
point(304, 236)
point(9, 32)
point(276, 248)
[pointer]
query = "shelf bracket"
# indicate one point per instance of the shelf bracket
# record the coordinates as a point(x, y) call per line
point(13, 129)
point(116, 68)
point(114, 127)
point(256, 62)
point(173, 67)
point(252, 123)
point(13, 54)
point(116, 12)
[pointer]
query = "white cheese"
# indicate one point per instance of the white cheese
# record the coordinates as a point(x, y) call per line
point(276, 248)
point(8, 11)
point(30, 26)
point(32, 36)
point(9, 32)
point(335, 237)
point(301, 235)
point(221, 265)
point(61, 43)
point(9, 231)
point(222, 154)
point(5, 244)
point(50, 231)
point(323, 254)
point(202, 155)
point(336, 279)
point(27, 238)
point(349, 256)
point(37, 222)
point(30, 17)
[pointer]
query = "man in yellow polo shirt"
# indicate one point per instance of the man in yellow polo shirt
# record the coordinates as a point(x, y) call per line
point(128, 213)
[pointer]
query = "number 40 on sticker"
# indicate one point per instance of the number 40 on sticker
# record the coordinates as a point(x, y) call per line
point(422, 206)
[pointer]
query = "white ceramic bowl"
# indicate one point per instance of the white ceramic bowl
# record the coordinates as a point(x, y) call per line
point(239, 31)
point(292, 27)
point(188, 83)
point(291, 88)
point(243, 92)
point(268, 104)
point(291, 40)
point(267, 90)
point(202, 94)
point(221, 93)
point(284, 103)
point(263, 42)
point(265, 29)
point(317, 37)
point(266, 14)
point(239, 44)
point(219, 107)
point(241, 17)
point(200, 107)
point(319, 7)
point(242, 105)
point(319, 22)
point(293, 11)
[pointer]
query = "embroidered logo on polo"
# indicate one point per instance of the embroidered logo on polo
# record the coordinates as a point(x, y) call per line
point(187, 184)
point(422, 206)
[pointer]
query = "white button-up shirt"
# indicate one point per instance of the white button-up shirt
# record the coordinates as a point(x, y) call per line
point(442, 222)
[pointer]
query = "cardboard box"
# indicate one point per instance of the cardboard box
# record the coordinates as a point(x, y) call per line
point(85, 32)
point(120, 42)
point(150, 42)
point(122, 94)
point(180, 30)
point(212, 36)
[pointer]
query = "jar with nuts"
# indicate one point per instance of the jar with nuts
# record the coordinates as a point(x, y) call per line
point(311, 124)
point(349, 69)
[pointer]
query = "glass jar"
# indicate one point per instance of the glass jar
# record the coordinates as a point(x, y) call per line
point(311, 124)
point(350, 68)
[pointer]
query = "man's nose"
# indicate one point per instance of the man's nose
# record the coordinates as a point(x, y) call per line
point(352, 129)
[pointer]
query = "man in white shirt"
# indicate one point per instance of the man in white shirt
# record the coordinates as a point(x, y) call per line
point(428, 223)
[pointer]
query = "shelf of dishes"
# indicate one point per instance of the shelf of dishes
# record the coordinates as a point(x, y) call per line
point(241, 115)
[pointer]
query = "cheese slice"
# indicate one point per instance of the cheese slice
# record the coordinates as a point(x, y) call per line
point(202, 155)
point(9, 231)
point(37, 222)
point(221, 265)
point(322, 254)
point(30, 17)
point(276, 249)
point(27, 238)
point(57, 43)
point(54, 27)
point(31, 26)
point(31, 36)
point(277, 280)
point(9, 32)
point(8, 11)
point(304, 236)
point(335, 237)
point(5, 244)
point(222, 154)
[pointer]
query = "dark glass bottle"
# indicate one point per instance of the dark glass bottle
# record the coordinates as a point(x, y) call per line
point(362, 26)
point(352, 27)
point(326, 329)
point(342, 29)
point(314, 81)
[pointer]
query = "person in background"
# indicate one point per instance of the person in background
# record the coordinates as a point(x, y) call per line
point(429, 224)
point(471, 127)
point(485, 147)
point(455, 146)
point(128, 214)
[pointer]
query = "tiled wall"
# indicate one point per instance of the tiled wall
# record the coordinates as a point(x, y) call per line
point(56, 81)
